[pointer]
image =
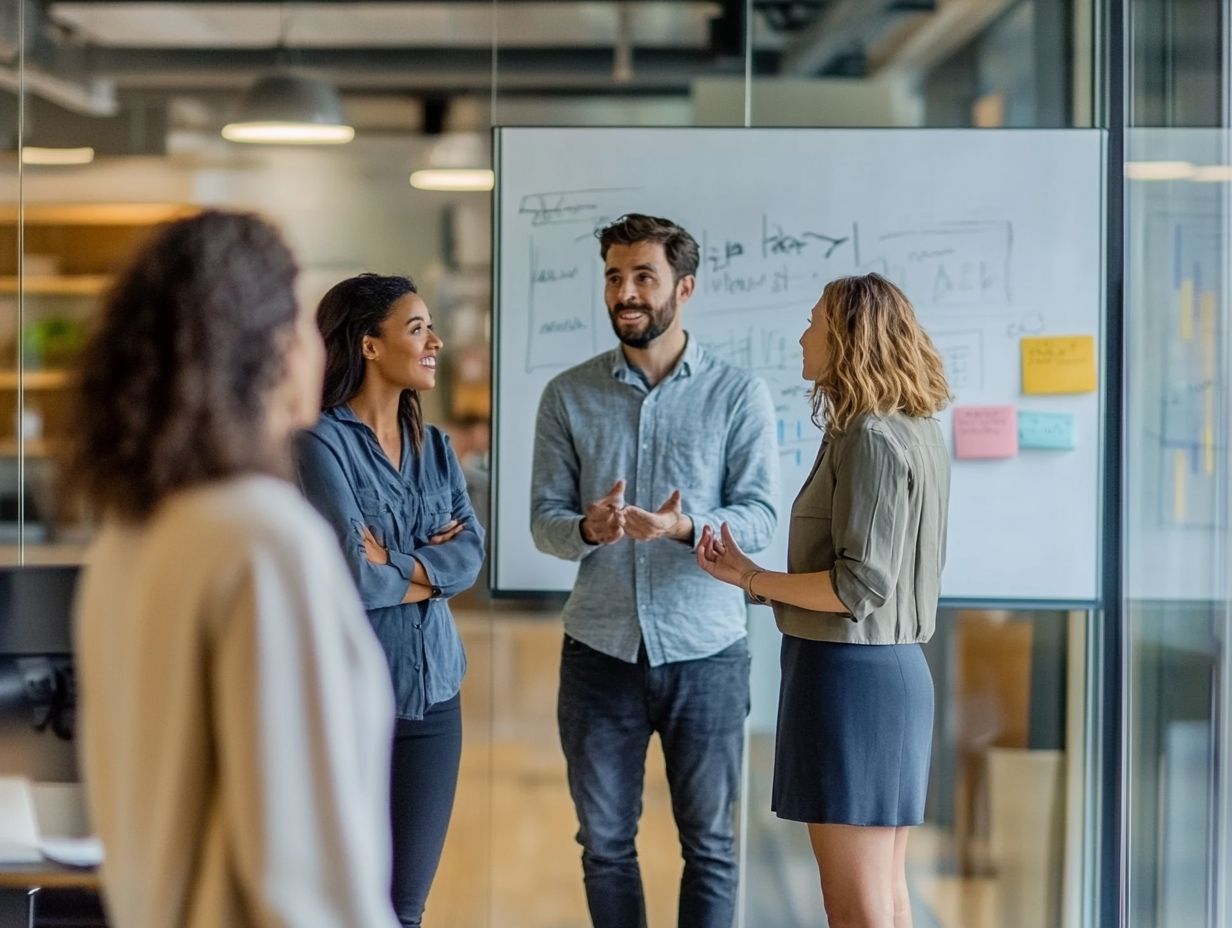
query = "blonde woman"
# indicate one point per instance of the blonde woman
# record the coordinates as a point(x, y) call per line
point(865, 552)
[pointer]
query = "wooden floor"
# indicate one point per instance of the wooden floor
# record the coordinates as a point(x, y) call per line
point(511, 860)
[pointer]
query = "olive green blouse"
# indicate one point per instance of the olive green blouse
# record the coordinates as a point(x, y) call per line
point(873, 513)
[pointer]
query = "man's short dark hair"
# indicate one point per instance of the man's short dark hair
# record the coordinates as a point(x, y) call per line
point(633, 228)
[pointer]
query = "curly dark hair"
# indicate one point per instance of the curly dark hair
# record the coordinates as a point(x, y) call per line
point(353, 308)
point(632, 228)
point(175, 379)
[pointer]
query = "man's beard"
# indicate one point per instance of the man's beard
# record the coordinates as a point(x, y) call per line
point(660, 320)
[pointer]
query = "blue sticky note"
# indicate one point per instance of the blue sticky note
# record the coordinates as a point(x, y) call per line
point(1056, 431)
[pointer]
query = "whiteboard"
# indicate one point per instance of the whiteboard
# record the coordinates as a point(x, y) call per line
point(993, 234)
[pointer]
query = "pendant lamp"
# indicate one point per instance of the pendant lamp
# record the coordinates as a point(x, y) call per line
point(290, 109)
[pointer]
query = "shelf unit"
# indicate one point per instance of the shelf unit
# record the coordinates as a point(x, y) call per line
point(36, 379)
point(56, 284)
point(34, 448)
point(88, 242)
point(76, 250)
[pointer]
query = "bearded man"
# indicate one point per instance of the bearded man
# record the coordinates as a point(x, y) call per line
point(636, 450)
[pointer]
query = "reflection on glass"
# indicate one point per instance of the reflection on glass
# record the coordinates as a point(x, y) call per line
point(1179, 618)
point(70, 253)
point(10, 334)
point(1000, 832)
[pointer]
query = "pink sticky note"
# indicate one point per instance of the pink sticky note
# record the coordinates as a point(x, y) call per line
point(985, 432)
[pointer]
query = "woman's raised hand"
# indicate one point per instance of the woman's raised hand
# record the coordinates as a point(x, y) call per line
point(722, 558)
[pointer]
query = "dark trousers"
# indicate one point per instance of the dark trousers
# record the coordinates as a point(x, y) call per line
point(607, 711)
point(424, 778)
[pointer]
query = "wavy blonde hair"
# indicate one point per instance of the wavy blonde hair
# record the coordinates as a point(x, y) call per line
point(881, 360)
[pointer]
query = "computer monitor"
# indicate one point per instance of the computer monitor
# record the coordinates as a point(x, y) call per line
point(37, 694)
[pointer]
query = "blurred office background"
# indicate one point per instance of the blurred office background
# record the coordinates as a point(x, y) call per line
point(1081, 766)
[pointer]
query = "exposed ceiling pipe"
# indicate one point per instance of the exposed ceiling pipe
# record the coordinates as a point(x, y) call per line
point(49, 67)
point(90, 98)
point(955, 23)
point(443, 70)
point(842, 26)
point(622, 52)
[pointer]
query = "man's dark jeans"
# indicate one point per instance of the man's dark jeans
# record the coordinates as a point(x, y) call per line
point(607, 711)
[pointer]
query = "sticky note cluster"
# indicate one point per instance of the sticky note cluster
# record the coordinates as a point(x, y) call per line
point(984, 432)
point(1053, 365)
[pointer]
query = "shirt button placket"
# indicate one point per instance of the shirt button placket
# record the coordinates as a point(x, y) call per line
point(642, 581)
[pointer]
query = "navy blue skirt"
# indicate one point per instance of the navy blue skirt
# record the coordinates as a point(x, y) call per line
point(855, 734)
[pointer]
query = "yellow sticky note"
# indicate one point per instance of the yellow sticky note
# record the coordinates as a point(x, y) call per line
point(1058, 364)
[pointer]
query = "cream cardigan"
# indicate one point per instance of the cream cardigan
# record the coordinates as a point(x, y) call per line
point(236, 714)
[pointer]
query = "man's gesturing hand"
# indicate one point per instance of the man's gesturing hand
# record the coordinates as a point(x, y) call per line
point(665, 522)
point(604, 522)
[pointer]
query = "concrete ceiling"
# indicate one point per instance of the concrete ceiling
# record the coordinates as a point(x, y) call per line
point(108, 59)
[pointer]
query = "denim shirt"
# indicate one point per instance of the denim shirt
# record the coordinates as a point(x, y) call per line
point(346, 475)
point(708, 430)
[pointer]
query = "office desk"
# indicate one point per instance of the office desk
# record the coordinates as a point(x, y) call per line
point(20, 885)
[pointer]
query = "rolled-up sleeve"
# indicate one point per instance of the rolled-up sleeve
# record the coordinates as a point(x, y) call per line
point(751, 475)
point(455, 565)
point(555, 505)
point(869, 522)
point(324, 483)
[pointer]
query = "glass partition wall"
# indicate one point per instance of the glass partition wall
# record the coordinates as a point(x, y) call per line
point(1178, 412)
point(11, 477)
point(121, 109)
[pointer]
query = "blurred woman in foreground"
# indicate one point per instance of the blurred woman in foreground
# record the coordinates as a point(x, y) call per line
point(236, 713)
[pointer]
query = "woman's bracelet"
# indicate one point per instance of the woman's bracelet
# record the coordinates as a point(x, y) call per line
point(748, 587)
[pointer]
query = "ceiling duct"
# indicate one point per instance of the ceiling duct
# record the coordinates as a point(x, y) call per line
point(826, 45)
